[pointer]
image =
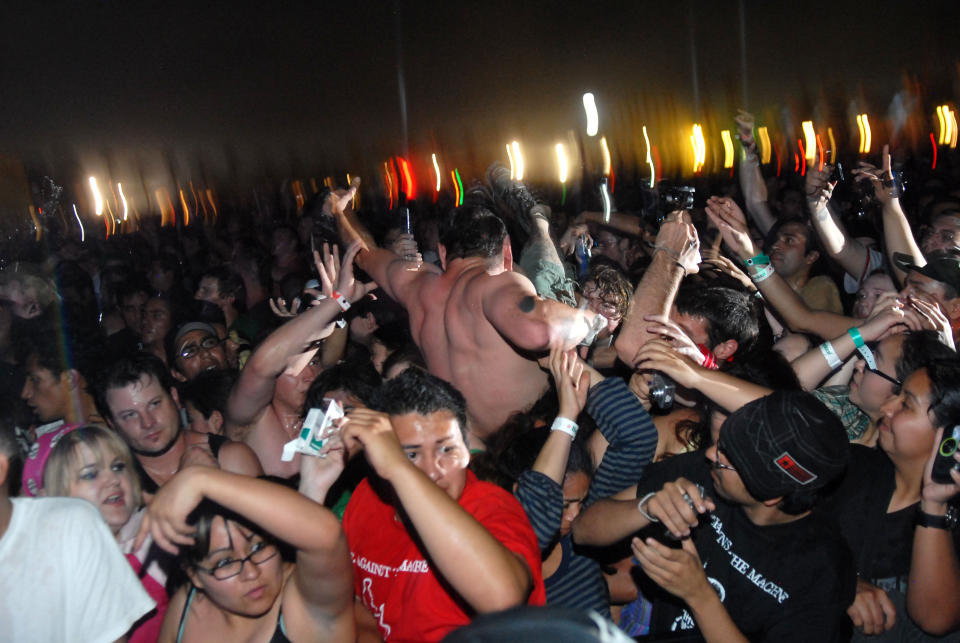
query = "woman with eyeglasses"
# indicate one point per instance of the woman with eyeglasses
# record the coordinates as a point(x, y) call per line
point(891, 512)
point(227, 529)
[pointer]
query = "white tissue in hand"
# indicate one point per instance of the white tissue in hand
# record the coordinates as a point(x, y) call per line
point(313, 435)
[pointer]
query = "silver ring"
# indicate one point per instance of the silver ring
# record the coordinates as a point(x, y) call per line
point(686, 498)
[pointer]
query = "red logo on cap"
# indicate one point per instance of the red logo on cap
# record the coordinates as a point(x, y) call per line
point(790, 467)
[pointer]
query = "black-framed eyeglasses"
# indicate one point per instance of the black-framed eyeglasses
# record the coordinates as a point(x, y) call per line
point(230, 567)
point(208, 343)
point(716, 464)
point(869, 364)
point(897, 383)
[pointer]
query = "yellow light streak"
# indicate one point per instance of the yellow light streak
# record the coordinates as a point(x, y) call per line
point(943, 125)
point(809, 141)
point(952, 121)
point(593, 119)
point(605, 151)
point(436, 168)
point(864, 126)
point(727, 149)
point(186, 210)
point(97, 197)
point(513, 170)
point(833, 146)
point(518, 158)
point(699, 148)
point(649, 159)
point(562, 162)
point(766, 150)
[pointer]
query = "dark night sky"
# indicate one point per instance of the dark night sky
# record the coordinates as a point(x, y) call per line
point(300, 84)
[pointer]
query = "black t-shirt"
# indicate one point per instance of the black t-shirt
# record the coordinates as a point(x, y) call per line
point(881, 542)
point(788, 582)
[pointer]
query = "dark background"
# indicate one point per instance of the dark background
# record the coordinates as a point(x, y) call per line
point(207, 90)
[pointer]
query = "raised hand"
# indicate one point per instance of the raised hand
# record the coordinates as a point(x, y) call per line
point(675, 336)
point(336, 275)
point(678, 238)
point(745, 124)
point(372, 431)
point(658, 355)
point(819, 188)
point(678, 506)
point(166, 515)
point(572, 382)
point(881, 179)
point(732, 223)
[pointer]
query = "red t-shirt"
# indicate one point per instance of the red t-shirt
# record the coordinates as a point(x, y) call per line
point(395, 581)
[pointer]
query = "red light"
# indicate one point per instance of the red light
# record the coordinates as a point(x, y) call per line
point(408, 185)
point(933, 143)
point(820, 148)
point(801, 160)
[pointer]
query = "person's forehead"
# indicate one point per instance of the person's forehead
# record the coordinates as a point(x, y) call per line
point(414, 428)
point(923, 282)
point(133, 299)
point(156, 304)
point(194, 336)
point(917, 385)
point(210, 282)
point(950, 221)
point(146, 386)
point(792, 230)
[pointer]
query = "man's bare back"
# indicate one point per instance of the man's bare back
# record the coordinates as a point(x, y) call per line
point(463, 347)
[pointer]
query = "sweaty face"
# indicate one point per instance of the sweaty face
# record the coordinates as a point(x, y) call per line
point(156, 321)
point(253, 591)
point(869, 391)
point(907, 430)
point(434, 443)
point(102, 477)
point(923, 286)
point(145, 414)
point(46, 394)
point(291, 390)
point(204, 353)
point(575, 487)
point(787, 254)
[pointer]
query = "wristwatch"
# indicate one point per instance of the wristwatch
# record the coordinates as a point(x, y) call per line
point(948, 521)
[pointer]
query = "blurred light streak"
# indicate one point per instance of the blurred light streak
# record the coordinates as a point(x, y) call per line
point(313, 184)
point(37, 228)
point(123, 200)
point(833, 145)
point(699, 148)
point(97, 197)
point(213, 205)
point(456, 175)
point(649, 160)
point(864, 125)
point(953, 128)
point(436, 168)
point(820, 152)
point(518, 159)
point(943, 125)
point(810, 142)
point(561, 162)
point(593, 120)
point(79, 222)
point(167, 214)
point(777, 152)
point(605, 197)
point(765, 148)
point(727, 149)
point(513, 165)
point(389, 182)
point(409, 187)
point(605, 152)
point(796, 162)
point(933, 143)
point(186, 210)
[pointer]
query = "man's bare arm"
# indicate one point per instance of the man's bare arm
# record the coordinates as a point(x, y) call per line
point(676, 254)
point(751, 179)
point(842, 248)
point(511, 305)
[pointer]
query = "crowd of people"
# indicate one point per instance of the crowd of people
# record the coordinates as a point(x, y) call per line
point(733, 422)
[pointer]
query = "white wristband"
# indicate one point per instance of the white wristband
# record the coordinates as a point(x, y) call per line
point(567, 426)
point(642, 511)
point(342, 301)
point(830, 355)
point(762, 273)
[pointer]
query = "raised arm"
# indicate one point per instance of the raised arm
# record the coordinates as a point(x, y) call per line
point(530, 322)
point(933, 589)
point(676, 254)
point(397, 276)
point(751, 180)
point(777, 293)
point(323, 580)
point(845, 250)
point(897, 234)
point(284, 348)
point(491, 577)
